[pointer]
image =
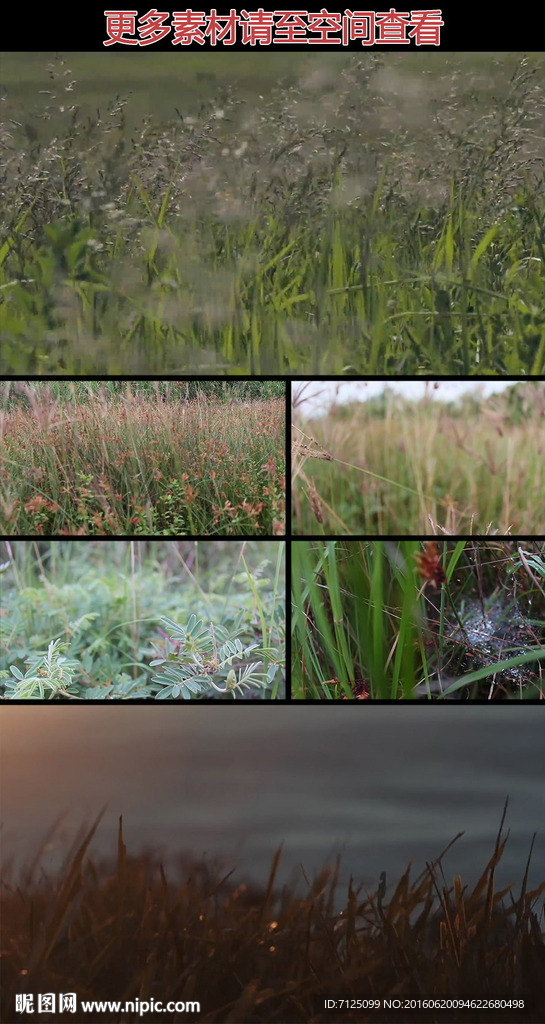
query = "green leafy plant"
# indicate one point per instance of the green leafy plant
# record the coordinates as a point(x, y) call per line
point(198, 654)
point(49, 674)
point(72, 623)
point(530, 559)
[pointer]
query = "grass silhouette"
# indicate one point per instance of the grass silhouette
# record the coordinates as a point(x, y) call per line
point(124, 931)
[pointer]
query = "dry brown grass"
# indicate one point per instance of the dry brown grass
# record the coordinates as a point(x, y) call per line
point(416, 468)
point(249, 955)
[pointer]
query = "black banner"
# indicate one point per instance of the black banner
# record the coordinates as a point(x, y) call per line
point(406, 28)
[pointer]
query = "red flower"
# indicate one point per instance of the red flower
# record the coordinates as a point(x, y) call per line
point(429, 564)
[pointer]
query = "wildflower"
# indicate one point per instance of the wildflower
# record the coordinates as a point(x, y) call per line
point(34, 504)
point(190, 494)
point(429, 564)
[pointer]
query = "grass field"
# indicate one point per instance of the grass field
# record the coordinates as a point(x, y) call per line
point(157, 458)
point(157, 83)
point(405, 620)
point(163, 620)
point(423, 467)
point(125, 930)
point(377, 217)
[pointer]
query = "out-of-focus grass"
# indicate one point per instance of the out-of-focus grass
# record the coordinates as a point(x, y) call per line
point(135, 461)
point(162, 81)
point(401, 467)
point(127, 932)
point(365, 219)
point(401, 620)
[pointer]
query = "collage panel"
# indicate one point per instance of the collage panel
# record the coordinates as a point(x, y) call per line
point(395, 457)
point(149, 620)
point(308, 211)
point(330, 841)
point(438, 620)
point(114, 457)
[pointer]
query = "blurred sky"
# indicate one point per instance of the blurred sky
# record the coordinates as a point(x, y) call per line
point(320, 394)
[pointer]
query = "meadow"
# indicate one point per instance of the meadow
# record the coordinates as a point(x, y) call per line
point(127, 930)
point(376, 216)
point(153, 620)
point(411, 620)
point(127, 458)
point(389, 465)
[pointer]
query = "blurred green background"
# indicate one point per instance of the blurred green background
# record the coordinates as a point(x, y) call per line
point(161, 81)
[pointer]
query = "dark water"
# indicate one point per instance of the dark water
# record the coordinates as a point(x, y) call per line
point(383, 785)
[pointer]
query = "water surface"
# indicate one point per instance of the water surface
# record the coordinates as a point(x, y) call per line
point(383, 785)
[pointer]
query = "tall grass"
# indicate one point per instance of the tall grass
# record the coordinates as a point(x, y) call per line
point(126, 931)
point(140, 462)
point(399, 620)
point(399, 467)
point(335, 228)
